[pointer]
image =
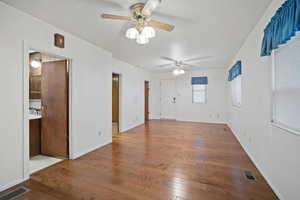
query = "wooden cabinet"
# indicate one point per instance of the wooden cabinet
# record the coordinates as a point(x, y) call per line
point(35, 137)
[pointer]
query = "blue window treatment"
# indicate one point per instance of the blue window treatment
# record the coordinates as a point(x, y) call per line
point(235, 71)
point(282, 28)
point(200, 80)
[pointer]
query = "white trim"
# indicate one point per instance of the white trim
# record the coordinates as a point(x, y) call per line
point(88, 150)
point(131, 127)
point(11, 184)
point(256, 164)
point(120, 100)
point(26, 49)
point(273, 122)
point(285, 128)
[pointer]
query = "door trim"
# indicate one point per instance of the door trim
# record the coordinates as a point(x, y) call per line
point(120, 127)
point(146, 106)
point(25, 100)
point(118, 100)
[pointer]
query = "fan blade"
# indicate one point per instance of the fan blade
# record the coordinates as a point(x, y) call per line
point(150, 6)
point(117, 17)
point(165, 65)
point(169, 59)
point(162, 26)
point(187, 65)
point(197, 59)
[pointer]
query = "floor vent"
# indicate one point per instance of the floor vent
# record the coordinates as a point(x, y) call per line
point(14, 193)
point(249, 176)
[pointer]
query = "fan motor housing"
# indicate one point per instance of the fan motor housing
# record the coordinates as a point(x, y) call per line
point(137, 11)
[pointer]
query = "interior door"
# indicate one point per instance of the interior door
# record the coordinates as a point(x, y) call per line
point(54, 96)
point(146, 101)
point(115, 97)
point(168, 99)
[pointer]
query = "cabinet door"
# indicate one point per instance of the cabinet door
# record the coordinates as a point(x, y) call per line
point(35, 137)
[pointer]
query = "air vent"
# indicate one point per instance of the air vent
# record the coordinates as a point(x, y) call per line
point(13, 194)
point(249, 176)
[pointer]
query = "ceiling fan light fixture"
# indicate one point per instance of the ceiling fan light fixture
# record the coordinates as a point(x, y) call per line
point(132, 33)
point(149, 32)
point(141, 39)
point(177, 72)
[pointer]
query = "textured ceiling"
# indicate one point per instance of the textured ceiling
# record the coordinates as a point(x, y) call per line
point(203, 27)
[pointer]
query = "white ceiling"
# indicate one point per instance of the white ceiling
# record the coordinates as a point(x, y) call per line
point(203, 27)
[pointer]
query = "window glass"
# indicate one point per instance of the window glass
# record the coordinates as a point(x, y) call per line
point(286, 85)
point(199, 93)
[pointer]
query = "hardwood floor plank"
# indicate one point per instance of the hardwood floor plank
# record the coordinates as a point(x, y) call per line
point(165, 160)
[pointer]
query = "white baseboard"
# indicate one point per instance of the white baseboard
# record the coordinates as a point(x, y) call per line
point(256, 164)
point(82, 153)
point(12, 184)
point(198, 121)
point(131, 127)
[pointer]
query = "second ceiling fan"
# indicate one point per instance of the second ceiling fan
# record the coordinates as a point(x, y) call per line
point(143, 28)
point(181, 65)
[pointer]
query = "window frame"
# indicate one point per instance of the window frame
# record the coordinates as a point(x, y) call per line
point(232, 101)
point(205, 96)
point(273, 122)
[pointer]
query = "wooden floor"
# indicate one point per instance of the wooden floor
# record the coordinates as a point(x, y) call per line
point(164, 160)
point(115, 128)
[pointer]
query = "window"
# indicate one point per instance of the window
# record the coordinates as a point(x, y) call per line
point(199, 93)
point(236, 91)
point(199, 85)
point(286, 85)
point(236, 84)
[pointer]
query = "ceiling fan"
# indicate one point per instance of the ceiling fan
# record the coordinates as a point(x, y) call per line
point(143, 28)
point(180, 65)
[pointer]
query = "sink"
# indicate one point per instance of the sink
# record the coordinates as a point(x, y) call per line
point(34, 116)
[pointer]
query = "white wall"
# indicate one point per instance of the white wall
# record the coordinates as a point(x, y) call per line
point(132, 82)
point(274, 151)
point(91, 90)
point(214, 111)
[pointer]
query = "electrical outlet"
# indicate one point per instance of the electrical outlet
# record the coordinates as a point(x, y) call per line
point(100, 133)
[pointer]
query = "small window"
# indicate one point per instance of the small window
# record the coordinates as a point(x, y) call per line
point(286, 85)
point(199, 93)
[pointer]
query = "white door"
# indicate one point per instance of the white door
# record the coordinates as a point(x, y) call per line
point(168, 99)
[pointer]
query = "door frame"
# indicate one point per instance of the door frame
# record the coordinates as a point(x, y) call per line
point(25, 100)
point(146, 107)
point(120, 99)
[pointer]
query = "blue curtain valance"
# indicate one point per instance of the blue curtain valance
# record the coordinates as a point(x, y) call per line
point(283, 27)
point(200, 80)
point(235, 71)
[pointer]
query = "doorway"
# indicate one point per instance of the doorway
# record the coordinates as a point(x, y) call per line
point(147, 85)
point(115, 103)
point(168, 99)
point(48, 110)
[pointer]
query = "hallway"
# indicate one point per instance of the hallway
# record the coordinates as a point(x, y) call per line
point(165, 160)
